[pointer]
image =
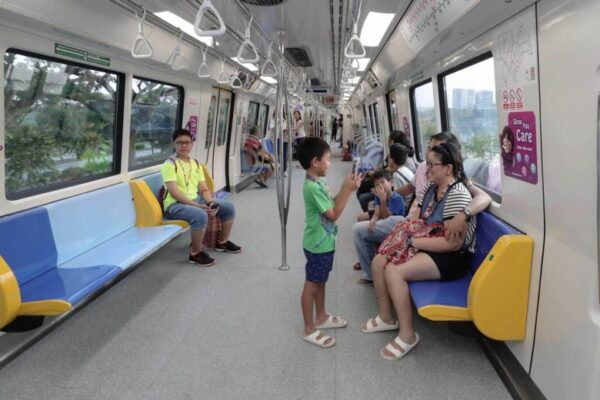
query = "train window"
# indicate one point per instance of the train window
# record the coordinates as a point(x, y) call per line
point(156, 109)
point(393, 111)
point(62, 123)
point(423, 115)
point(252, 115)
point(371, 120)
point(469, 111)
point(262, 118)
point(377, 121)
point(223, 122)
point(212, 109)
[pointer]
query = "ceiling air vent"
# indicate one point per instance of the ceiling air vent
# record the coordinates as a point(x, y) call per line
point(263, 2)
point(297, 57)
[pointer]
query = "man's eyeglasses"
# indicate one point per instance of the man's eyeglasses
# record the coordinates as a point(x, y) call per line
point(185, 143)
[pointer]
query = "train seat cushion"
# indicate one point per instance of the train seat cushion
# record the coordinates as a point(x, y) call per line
point(82, 222)
point(155, 182)
point(71, 285)
point(126, 249)
point(448, 293)
point(372, 159)
point(455, 293)
point(27, 244)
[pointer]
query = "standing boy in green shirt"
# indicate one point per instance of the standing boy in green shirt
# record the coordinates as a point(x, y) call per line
point(319, 237)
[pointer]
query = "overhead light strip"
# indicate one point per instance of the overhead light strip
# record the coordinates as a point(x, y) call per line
point(187, 27)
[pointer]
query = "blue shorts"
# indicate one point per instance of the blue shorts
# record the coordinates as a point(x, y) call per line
point(197, 217)
point(318, 266)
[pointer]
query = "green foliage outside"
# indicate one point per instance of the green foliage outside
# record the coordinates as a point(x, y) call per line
point(59, 122)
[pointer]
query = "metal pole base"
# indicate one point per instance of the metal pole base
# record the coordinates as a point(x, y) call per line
point(285, 267)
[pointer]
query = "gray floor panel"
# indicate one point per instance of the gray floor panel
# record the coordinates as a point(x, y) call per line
point(172, 330)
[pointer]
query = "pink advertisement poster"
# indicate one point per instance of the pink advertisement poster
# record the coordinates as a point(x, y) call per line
point(518, 145)
point(192, 126)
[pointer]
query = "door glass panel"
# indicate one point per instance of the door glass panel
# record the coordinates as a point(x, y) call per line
point(209, 122)
point(223, 120)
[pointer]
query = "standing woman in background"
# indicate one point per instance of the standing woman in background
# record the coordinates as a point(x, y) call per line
point(298, 129)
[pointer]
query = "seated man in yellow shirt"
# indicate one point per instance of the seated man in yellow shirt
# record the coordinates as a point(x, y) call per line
point(189, 199)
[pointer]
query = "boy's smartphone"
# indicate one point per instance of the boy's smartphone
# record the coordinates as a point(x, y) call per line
point(354, 168)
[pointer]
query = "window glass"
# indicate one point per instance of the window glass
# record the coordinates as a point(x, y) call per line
point(212, 109)
point(470, 98)
point(262, 119)
point(155, 114)
point(223, 120)
point(371, 120)
point(423, 108)
point(252, 115)
point(60, 123)
point(377, 121)
point(393, 110)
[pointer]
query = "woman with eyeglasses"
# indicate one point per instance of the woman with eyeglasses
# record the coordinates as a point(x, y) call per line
point(188, 198)
point(436, 258)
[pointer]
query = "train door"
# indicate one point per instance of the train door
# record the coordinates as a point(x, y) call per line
point(217, 128)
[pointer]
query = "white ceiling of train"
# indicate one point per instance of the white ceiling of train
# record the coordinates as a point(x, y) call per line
point(322, 28)
point(319, 27)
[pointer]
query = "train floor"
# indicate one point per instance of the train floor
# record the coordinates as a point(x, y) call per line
point(173, 330)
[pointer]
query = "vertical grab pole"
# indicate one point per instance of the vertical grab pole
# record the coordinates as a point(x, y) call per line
point(283, 195)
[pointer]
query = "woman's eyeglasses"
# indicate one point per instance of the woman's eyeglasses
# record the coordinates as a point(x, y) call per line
point(430, 164)
point(184, 143)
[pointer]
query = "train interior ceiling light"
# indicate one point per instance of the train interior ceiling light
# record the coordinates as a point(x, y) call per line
point(178, 22)
point(374, 27)
point(249, 66)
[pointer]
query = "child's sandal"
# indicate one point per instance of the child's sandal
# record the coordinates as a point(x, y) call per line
point(321, 342)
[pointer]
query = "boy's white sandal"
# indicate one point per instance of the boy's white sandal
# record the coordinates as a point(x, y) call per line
point(381, 326)
point(312, 338)
point(332, 322)
point(397, 354)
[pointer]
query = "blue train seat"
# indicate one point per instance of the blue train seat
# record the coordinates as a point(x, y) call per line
point(55, 256)
point(500, 265)
point(31, 282)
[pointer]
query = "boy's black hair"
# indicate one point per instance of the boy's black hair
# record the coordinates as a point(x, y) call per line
point(447, 137)
point(182, 132)
point(310, 148)
point(400, 137)
point(399, 153)
point(382, 173)
point(254, 130)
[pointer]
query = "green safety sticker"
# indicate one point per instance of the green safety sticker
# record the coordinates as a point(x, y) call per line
point(79, 54)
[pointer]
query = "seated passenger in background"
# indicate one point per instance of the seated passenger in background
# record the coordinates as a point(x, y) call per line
point(254, 146)
point(399, 137)
point(402, 175)
point(184, 180)
point(386, 202)
point(436, 258)
point(389, 205)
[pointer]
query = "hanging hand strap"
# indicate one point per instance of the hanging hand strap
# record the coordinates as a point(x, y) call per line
point(269, 68)
point(223, 77)
point(204, 70)
point(247, 43)
point(208, 6)
point(141, 46)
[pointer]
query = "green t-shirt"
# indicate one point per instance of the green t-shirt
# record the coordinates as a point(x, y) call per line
point(188, 176)
point(320, 232)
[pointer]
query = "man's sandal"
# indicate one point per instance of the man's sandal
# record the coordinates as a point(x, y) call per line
point(379, 325)
point(312, 338)
point(398, 354)
point(332, 322)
